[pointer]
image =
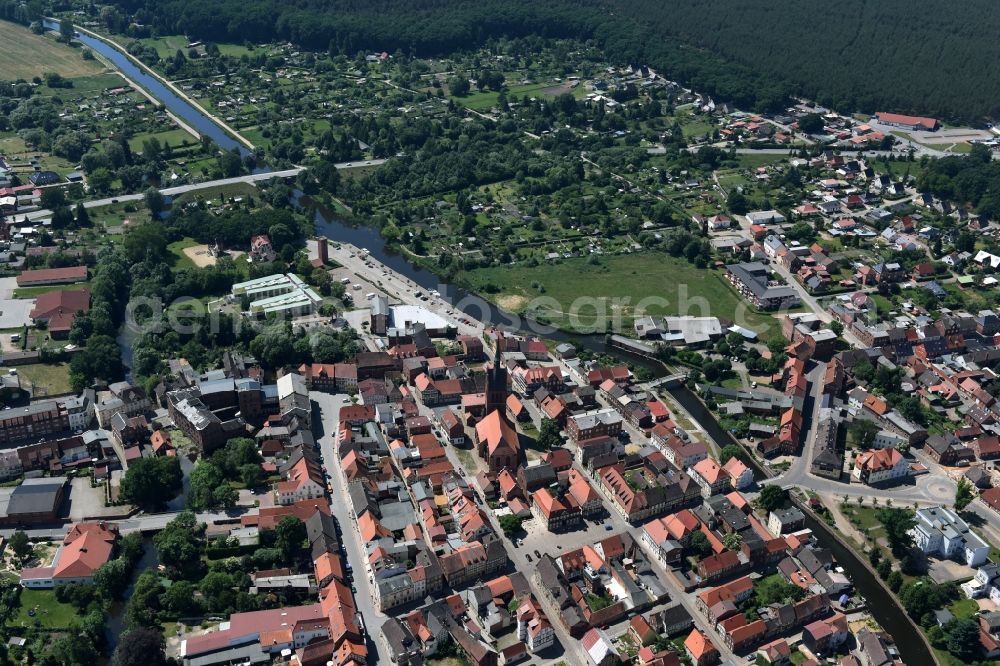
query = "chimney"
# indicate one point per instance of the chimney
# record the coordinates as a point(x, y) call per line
point(323, 249)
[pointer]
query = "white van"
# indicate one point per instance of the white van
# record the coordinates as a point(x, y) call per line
point(346, 281)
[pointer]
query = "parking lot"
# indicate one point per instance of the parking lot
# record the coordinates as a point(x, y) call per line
point(86, 502)
point(14, 312)
point(540, 539)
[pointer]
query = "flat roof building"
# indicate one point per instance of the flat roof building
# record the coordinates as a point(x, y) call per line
point(283, 293)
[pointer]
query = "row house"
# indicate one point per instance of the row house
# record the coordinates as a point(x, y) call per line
point(330, 377)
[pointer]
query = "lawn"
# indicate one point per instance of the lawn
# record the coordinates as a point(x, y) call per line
point(168, 45)
point(754, 160)
point(864, 519)
point(178, 247)
point(46, 379)
point(48, 612)
point(26, 55)
point(115, 215)
point(487, 99)
point(245, 190)
point(86, 85)
point(964, 608)
point(34, 292)
point(618, 285)
point(175, 138)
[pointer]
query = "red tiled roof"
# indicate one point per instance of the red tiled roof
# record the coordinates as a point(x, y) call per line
point(495, 431)
point(52, 275)
point(60, 307)
point(84, 554)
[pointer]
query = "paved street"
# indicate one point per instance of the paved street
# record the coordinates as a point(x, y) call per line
point(140, 523)
point(329, 410)
point(567, 648)
point(208, 184)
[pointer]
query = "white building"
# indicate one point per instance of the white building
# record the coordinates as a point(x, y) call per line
point(941, 532)
point(283, 294)
point(876, 466)
point(10, 464)
point(888, 440)
point(986, 583)
point(533, 628)
point(765, 217)
point(80, 410)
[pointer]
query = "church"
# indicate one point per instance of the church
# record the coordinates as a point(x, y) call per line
point(496, 438)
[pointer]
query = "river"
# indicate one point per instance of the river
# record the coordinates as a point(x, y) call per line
point(883, 608)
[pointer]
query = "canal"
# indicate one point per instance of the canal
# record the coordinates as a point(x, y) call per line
point(191, 115)
point(882, 606)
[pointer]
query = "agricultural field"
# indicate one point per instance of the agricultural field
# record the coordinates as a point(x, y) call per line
point(26, 55)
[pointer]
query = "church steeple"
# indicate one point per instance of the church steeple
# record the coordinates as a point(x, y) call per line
point(496, 382)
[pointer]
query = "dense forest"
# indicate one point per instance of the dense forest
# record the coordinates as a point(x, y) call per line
point(902, 55)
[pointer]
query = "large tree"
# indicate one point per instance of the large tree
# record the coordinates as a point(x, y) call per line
point(20, 545)
point(897, 524)
point(550, 436)
point(963, 494)
point(180, 544)
point(111, 578)
point(151, 482)
point(140, 647)
point(771, 497)
point(962, 639)
point(291, 536)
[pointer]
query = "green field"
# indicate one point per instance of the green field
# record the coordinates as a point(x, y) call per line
point(627, 278)
point(177, 249)
point(46, 379)
point(49, 613)
point(245, 190)
point(83, 85)
point(481, 101)
point(168, 45)
point(174, 137)
point(33, 292)
point(754, 160)
point(26, 55)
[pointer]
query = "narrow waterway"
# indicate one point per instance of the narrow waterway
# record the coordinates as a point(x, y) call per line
point(187, 112)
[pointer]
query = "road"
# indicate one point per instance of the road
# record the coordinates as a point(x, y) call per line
point(329, 410)
point(178, 190)
point(931, 488)
point(140, 523)
point(571, 649)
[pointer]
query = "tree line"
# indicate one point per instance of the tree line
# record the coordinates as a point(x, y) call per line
point(902, 55)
